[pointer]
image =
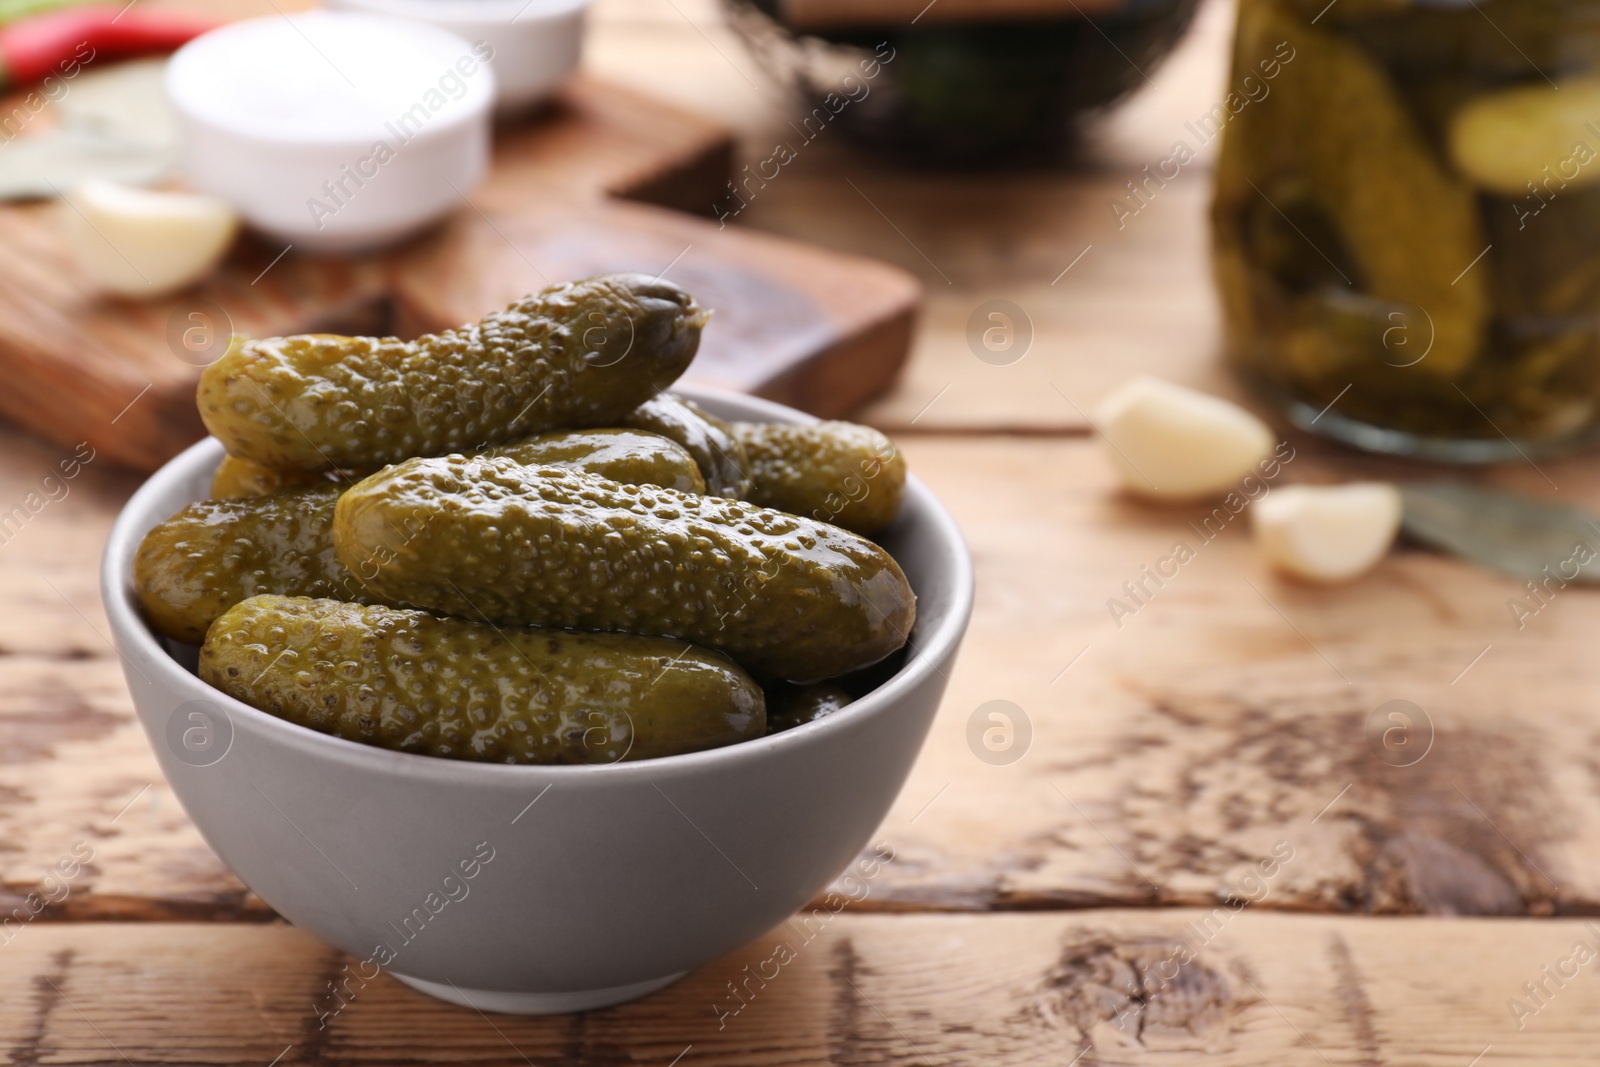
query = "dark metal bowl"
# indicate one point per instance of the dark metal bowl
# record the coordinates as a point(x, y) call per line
point(968, 95)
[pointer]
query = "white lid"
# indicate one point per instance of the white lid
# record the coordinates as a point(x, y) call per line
point(323, 76)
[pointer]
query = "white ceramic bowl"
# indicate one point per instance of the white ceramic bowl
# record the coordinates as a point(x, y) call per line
point(604, 883)
point(335, 131)
point(536, 43)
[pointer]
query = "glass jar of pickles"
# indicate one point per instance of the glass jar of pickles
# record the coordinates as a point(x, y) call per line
point(1406, 226)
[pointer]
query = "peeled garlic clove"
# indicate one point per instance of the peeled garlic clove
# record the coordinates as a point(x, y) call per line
point(142, 243)
point(1170, 442)
point(1327, 533)
point(1501, 141)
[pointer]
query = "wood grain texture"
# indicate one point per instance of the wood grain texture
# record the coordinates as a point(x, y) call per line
point(1226, 714)
point(56, 505)
point(1105, 988)
point(1226, 709)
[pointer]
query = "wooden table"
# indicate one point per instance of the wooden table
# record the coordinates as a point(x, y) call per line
point(1030, 911)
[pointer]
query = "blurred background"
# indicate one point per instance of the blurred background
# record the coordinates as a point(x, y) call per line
point(999, 227)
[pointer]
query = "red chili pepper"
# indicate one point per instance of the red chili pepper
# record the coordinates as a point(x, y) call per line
point(36, 47)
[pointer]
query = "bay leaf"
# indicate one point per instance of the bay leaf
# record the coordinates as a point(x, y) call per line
point(112, 122)
point(1504, 531)
point(45, 166)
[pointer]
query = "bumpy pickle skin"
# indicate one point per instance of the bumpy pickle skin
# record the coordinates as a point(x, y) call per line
point(450, 688)
point(485, 538)
point(632, 457)
point(710, 441)
point(581, 354)
point(211, 555)
point(838, 472)
point(789, 706)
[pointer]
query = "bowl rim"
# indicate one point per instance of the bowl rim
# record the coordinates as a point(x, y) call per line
point(141, 649)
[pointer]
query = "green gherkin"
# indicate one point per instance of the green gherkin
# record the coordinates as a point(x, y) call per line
point(1329, 186)
point(838, 472)
point(789, 706)
point(455, 689)
point(581, 354)
point(709, 440)
point(632, 457)
point(237, 478)
point(211, 555)
point(482, 537)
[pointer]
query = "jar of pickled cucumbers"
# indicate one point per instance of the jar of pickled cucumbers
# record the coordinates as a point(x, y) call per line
point(1406, 227)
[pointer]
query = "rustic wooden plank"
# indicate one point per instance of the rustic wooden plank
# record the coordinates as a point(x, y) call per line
point(930, 990)
point(1178, 747)
point(74, 754)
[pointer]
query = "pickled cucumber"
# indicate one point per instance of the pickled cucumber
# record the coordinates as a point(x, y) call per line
point(237, 478)
point(1513, 140)
point(838, 472)
point(455, 689)
point(1493, 42)
point(1329, 186)
point(581, 354)
point(211, 555)
point(214, 554)
point(709, 440)
point(632, 457)
point(486, 538)
point(789, 706)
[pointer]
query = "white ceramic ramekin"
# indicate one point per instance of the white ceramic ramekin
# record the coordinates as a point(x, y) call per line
point(601, 884)
point(335, 131)
point(536, 43)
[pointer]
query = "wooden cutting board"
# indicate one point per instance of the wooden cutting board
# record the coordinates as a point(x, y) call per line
point(605, 180)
